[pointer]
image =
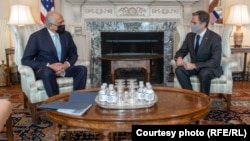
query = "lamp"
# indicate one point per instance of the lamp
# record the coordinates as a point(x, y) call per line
point(20, 15)
point(238, 16)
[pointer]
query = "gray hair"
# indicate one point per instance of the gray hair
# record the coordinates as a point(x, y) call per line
point(49, 19)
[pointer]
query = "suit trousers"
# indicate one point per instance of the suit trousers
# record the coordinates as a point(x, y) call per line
point(48, 77)
point(205, 75)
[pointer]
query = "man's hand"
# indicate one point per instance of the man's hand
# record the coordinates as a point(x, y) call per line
point(179, 61)
point(59, 68)
point(186, 65)
point(189, 66)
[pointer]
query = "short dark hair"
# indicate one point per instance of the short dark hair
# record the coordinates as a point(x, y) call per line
point(203, 16)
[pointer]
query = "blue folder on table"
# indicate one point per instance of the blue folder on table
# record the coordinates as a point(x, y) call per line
point(77, 100)
point(64, 105)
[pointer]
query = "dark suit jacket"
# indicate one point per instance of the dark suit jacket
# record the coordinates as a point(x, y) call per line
point(209, 53)
point(40, 49)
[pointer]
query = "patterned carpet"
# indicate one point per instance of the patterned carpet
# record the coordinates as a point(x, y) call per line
point(43, 131)
point(239, 113)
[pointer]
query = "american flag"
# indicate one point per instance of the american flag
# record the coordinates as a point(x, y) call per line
point(46, 6)
point(215, 11)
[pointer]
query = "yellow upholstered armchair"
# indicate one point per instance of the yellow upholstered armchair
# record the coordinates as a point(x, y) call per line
point(222, 85)
point(33, 89)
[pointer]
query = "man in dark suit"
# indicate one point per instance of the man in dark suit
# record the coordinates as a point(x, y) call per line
point(52, 53)
point(205, 54)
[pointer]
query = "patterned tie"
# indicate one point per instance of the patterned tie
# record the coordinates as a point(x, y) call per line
point(197, 44)
point(58, 46)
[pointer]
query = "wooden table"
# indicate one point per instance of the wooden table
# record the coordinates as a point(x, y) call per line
point(8, 52)
point(120, 60)
point(174, 106)
point(245, 50)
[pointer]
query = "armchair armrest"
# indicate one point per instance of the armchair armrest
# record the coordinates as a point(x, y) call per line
point(83, 62)
point(227, 64)
point(26, 71)
point(28, 79)
point(173, 64)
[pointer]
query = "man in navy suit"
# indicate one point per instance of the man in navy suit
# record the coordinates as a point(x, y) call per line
point(52, 53)
point(205, 54)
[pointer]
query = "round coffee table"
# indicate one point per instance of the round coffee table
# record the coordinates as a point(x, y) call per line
point(174, 106)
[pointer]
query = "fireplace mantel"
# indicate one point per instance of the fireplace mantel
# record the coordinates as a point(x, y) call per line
point(126, 9)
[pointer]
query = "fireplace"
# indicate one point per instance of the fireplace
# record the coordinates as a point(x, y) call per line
point(97, 27)
point(129, 45)
point(96, 17)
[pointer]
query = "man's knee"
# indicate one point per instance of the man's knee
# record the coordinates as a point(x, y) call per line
point(83, 69)
point(46, 73)
point(179, 70)
point(205, 74)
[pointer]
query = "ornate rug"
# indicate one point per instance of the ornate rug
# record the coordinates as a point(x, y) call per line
point(24, 130)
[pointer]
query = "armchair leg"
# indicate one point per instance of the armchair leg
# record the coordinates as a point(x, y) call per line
point(25, 100)
point(227, 98)
point(33, 110)
point(32, 107)
point(229, 101)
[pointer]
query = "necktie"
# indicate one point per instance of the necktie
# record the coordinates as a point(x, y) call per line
point(58, 46)
point(197, 44)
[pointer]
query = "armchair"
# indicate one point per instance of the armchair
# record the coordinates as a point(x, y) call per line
point(222, 85)
point(34, 92)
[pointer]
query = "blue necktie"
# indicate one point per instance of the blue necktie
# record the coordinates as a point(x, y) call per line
point(197, 44)
point(58, 46)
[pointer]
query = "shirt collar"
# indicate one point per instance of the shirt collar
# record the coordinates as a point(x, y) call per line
point(202, 33)
point(52, 34)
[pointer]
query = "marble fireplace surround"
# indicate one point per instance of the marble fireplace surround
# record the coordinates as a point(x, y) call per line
point(142, 16)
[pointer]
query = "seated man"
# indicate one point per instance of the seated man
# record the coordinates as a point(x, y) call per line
point(52, 53)
point(205, 49)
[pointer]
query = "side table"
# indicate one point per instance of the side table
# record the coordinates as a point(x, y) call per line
point(8, 52)
point(244, 49)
